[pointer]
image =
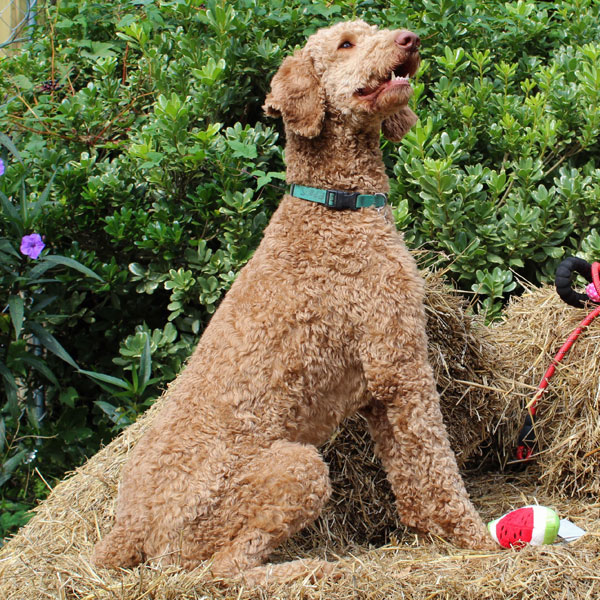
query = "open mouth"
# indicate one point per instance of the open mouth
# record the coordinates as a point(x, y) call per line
point(399, 76)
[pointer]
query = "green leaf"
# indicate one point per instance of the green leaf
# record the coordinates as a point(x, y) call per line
point(10, 387)
point(40, 268)
point(99, 50)
point(2, 434)
point(145, 364)
point(10, 465)
point(43, 196)
point(68, 397)
point(23, 82)
point(7, 247)
point(112, 412)
point(54, 259)
point(516, 263)
point(52, 344)
point(554, 252)
point(11, 212)
point(134, 381)
point(16, 308)
point(40, 366)
point(137, 269)
point(102, 377)
point(242, 150)
point(42, 304)
point(7, 143)
point(108, 409)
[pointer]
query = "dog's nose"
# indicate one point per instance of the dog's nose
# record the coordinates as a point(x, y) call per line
point(408, 40)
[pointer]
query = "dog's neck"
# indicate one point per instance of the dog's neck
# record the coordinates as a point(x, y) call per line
point(344, 156)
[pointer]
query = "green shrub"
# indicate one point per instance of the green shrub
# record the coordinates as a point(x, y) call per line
point(146, 119)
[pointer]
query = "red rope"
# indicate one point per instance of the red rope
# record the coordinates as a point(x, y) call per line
point(525, 451)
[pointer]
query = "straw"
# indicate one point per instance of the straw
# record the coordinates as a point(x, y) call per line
point(375, 556)
point(567, 427)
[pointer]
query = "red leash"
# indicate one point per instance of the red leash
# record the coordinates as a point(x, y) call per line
point(564, 275)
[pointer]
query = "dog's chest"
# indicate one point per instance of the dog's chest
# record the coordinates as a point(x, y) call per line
point(316, 419)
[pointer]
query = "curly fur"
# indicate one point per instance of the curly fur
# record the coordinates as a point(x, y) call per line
point(325, 320)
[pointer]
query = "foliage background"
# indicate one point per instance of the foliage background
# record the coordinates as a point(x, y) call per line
point(134, 142)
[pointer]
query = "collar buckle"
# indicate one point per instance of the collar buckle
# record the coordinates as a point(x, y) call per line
point(380, 200)
point(338, 200)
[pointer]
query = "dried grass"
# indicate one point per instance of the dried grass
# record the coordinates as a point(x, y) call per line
point(49, 558)
point(568, 419)
point(362, 509)
point(465, 360)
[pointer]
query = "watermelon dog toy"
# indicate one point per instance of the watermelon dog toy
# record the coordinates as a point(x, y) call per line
point(535, 525)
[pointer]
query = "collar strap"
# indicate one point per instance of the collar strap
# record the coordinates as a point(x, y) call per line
point(338, 200)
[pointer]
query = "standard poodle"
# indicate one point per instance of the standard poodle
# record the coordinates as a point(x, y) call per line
point(325, 320)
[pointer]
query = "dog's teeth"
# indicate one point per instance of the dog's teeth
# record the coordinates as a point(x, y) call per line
point(393, 76)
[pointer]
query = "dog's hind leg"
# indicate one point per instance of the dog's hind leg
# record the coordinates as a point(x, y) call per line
point(120, 548)
point(279, 491)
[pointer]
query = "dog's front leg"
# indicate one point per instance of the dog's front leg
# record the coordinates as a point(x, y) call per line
point(406, 422)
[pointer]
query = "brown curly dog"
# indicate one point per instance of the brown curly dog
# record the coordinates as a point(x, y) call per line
point(325, 320)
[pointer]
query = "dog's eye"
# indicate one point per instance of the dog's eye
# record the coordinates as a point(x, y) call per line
point(346, 44)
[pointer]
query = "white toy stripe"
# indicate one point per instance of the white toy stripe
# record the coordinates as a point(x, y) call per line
point(540, 514)
point(492, 527)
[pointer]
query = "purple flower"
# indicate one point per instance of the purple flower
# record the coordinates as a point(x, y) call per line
point(1, 167)
point(32, 245)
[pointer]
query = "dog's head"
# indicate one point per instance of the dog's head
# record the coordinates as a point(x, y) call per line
point(351, 68)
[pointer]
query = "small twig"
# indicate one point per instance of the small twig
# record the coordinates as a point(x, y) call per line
point(508, 190)
point(489, 388)
point(591, 453)
point(575, 150)
point(42, 478)
point(43, 132)
point(124, 76)
point(94, 139)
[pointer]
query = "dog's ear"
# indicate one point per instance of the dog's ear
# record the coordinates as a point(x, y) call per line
point(296, 96)
point(396, 126)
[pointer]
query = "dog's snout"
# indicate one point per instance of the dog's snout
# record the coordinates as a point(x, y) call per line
point(408, 40)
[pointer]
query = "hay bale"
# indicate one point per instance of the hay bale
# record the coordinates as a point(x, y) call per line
point(534, 328)
point(466, 362)
point(362, 507)
point(424, 570)
point(49, 557)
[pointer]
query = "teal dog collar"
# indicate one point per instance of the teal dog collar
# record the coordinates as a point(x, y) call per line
point(338, 200)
